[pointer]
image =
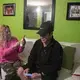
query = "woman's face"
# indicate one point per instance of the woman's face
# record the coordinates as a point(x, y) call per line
point(7, 34)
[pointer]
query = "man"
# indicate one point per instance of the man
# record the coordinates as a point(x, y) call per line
point(46, 56)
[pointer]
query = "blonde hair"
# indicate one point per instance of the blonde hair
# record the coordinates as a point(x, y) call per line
point(4, 36)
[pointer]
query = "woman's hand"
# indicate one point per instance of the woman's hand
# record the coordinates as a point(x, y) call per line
point(23, 42)
point(16, 44)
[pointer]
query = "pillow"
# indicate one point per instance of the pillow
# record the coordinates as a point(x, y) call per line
point(26, 52)
point(68, 57)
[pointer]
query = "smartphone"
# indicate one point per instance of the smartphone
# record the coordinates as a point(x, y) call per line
point(28, 74)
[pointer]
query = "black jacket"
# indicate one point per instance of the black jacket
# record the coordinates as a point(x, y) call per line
point(46, 60)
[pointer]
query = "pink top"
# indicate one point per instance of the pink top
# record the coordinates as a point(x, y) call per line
point(9, 54)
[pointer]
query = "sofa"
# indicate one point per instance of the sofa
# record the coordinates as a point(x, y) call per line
point(71, 59)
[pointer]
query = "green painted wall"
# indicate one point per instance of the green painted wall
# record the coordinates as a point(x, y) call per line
point(16, 22)
point(65, 30)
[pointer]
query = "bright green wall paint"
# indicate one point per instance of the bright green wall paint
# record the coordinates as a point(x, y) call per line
point(65, 30)
point(16, 22)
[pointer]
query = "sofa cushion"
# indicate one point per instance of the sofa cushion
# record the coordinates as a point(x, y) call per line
point(76, 65)
point(76, 73)
point(76, 69)
point(24, 55)
point(77, 53)
point(64, 74)
point(68, 57)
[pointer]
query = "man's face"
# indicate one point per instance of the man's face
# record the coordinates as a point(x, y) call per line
point(45, 39)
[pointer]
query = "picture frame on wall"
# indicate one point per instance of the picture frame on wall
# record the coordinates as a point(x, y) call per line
point(73, 11)
point(9, 9)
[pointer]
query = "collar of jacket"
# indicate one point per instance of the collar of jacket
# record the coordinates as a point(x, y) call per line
point(52, 42)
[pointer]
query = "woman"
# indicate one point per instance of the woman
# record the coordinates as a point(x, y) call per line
point(9, 49)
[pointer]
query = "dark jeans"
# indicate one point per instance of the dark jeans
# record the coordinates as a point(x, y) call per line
point(15, 77)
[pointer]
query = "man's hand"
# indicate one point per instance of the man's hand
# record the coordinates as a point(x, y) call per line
point(20, 73)
point(36, 75)
point(26, 71)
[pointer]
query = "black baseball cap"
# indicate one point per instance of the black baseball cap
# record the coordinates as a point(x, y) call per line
point(46, 27)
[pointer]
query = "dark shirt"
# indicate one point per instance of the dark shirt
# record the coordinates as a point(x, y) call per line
point(46, 60)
